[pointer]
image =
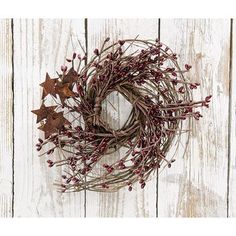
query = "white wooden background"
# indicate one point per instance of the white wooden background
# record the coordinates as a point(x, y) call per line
point(200, 184)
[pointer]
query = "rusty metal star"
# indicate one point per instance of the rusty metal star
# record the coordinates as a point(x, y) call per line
point(70, 77)
point(58, 120)
point(48, 86)
point(48, 129)
point(43, 112)
point(54, 124)
point(64, 91)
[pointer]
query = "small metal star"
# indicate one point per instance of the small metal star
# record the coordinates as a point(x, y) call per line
point(64, 91)
point(43, 112)
point(48, 86)
point(54, 124)
point(70, 77)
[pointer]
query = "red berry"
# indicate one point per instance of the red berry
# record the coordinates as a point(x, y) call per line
point(181, 89)
point(107, 39)
point(143, 185)
point(40, 140)
point(96, 52)
point(121, 42)
point(187, 67)
point(208, 98)
point(63, 68)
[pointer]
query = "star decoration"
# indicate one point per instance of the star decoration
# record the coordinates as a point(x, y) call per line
point(48, 86)
point(64, 91)
point(43, 112)
point(54, 124)
point(48, 129)
point(70, 77)
point(58, 117)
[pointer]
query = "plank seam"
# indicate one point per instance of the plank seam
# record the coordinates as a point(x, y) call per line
point(86, 50)
point(230, 112)
point(157, 182)
point(13, 118)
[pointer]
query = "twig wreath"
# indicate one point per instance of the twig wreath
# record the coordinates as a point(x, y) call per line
point(146, 73)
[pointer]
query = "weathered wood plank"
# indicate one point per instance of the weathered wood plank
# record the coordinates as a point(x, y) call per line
point(6, 117)
point(232, 166)
point(138, 203)
point(40, 46)
point(196, 185)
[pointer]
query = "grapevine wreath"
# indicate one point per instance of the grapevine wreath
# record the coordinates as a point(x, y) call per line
point(146, 73)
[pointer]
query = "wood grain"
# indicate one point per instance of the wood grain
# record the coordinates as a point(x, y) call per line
point(196, 186)
point(40, 46)
point(232, 128)
point(137, 203)
point(6, 116)
point(201, 183)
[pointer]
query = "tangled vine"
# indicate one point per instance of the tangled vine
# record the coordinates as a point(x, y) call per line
point(146, 73)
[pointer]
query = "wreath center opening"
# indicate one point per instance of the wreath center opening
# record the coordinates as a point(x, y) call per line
point(115, 110)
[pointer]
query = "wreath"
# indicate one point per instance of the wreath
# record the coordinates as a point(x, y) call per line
point(146, 73)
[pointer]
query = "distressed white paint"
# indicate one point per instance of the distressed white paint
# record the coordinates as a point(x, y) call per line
point(40, 46)
point(196, 185)
point(6, 147)
point(137, 203)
